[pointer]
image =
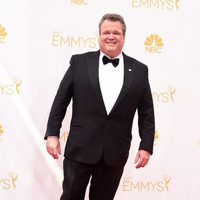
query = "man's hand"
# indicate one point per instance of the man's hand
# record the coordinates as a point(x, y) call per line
point(142, 158)
point(53, 146)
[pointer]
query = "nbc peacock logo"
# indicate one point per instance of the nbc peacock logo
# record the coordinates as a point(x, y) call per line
point(3, 34)
point(177, 5)
point(1, 131)
point(153, 44)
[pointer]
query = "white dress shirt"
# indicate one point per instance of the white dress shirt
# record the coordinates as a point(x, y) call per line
point(111, 81)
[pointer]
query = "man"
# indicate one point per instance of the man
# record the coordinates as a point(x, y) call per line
point(106, 88)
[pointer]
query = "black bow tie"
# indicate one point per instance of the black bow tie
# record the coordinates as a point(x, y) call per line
point(107, 60)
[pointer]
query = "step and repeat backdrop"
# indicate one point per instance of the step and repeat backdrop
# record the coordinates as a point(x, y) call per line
point(37, 39)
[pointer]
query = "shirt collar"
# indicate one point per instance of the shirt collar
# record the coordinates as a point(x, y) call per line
point(102, 54)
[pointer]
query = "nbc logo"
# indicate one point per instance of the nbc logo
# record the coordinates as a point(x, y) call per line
point(153, 44)
point(1, 131)
point(177, 4)
point(81, 2)
point(3, 34)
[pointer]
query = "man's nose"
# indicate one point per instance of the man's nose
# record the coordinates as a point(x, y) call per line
point(111, 36)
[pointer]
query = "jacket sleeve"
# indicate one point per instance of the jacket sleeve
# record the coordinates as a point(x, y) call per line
point(60, 103)
point(146, 121)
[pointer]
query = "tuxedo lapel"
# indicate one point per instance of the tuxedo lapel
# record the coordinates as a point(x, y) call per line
point(93, 71)
point(128, 76)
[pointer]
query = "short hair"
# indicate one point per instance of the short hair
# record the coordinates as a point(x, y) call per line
point(114, 18)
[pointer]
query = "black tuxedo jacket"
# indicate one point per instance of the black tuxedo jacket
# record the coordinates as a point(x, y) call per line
point(93, 132)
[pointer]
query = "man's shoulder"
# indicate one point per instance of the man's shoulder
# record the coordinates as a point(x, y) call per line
point(85, 54)
point(134, 61)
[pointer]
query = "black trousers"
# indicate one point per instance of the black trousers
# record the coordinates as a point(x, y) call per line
point(103, 185)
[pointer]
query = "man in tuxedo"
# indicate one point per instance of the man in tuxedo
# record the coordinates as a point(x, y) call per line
point(106, 88)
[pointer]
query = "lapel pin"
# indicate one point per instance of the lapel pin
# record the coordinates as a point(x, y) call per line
point(129, 70)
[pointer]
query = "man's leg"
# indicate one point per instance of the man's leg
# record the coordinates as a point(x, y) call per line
point(76, 177)
point(105, 181)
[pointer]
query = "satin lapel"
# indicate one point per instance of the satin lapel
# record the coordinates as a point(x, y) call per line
point(128, 76)
point(93, 71)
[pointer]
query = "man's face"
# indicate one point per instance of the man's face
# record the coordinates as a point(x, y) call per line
point(111, 38)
